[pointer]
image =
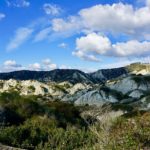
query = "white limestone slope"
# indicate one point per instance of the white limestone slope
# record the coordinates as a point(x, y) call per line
point(32, 87)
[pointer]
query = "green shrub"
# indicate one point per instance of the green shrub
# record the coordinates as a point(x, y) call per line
point(37, 131)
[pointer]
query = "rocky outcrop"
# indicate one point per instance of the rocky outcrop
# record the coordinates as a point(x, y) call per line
point(96, 97)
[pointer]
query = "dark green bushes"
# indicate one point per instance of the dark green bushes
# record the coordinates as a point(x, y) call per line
point(38, 125)
point(34, 124)
point(42, 132)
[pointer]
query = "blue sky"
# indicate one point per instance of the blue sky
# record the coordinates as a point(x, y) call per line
point(87, 35)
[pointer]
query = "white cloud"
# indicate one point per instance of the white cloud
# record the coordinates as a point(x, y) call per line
point(92, 45)
point(124, 19)
point(51, 9)
point(118, 19)
point(35, 67)
point(48, 65)
point(45, 65)
point(131, 48)
point(84, 56)
point(93, 42)
point(11, 65)
point(43, 34)
point(52, 66)
point(69, 26)
point(21, 35)
point(18, 3)
point(59, 28)
point(2, 16)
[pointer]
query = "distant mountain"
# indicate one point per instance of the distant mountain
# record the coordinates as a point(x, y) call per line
point(73, 76)
point(108, 74)
point(77, 76)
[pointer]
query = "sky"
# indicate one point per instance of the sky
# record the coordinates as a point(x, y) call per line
point(73, 34)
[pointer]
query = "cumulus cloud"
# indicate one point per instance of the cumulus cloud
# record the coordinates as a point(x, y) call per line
point(51, 9)
point(118, 19)
point(44, 65)
point(18, 3)
point(21, 35)
point(131, 48)
point(90, 45)
point(11, 65)
point(48, 65)
point(84, 56)
point(93, 44)
point(35, 67)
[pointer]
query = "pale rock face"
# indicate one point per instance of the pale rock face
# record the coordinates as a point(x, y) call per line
point(95, 98)
point(29, 87)
point(32, 87)
point(58, 93)
point(75, 96)
point(78, 87)
point(142, 72)
point(124, 85)
point(9, 84)
point(128, 84)
point(65, 83)
point(37, 87)
point(145, 103)
point(148, 106)
point(136, 94)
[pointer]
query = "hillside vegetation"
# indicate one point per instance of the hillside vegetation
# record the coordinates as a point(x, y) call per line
point(31, 123)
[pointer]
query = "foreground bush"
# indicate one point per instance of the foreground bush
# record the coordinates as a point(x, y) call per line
point(42, 133)
point(34, 124)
